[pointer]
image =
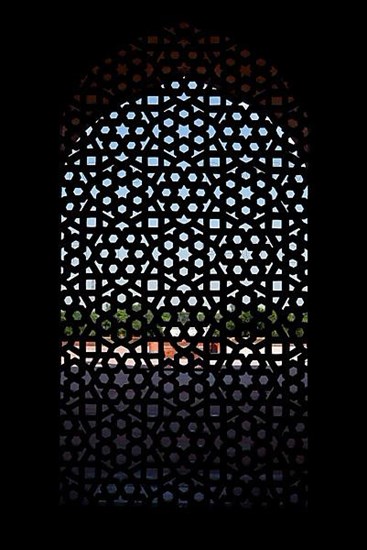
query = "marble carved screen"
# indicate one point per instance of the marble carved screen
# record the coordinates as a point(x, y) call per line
point(184, 280)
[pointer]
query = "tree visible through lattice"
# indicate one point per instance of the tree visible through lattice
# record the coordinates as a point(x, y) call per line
point(184, 316)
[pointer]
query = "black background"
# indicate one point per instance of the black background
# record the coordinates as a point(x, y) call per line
point(310, 50)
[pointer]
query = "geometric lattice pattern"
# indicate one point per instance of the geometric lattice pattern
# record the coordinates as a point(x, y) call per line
point(184, 304)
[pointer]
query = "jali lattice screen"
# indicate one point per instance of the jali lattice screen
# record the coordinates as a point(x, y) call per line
point(184, 254)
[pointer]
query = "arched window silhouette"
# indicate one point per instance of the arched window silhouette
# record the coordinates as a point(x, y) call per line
point(184, 280)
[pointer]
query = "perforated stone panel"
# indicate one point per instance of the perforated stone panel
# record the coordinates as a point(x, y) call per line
point(184, 315)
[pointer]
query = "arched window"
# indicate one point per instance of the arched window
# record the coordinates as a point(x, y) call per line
point(184, 316)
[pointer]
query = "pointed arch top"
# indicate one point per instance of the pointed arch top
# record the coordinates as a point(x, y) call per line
point(183, 50)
